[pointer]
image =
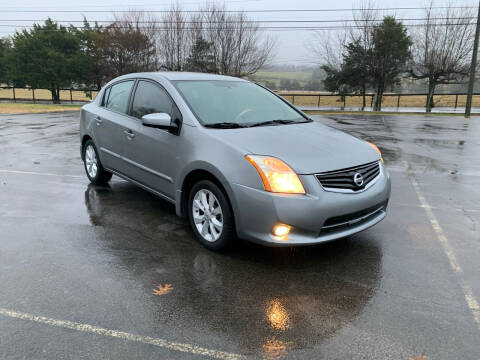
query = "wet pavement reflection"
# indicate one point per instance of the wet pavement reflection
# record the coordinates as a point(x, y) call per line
point(270, 300)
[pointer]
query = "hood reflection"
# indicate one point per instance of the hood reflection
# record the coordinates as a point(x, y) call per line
point(260, 300)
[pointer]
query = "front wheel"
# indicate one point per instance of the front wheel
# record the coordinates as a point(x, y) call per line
point(93, 167)
point(210, 215)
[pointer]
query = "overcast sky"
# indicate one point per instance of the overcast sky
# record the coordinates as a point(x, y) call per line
point(291, 45)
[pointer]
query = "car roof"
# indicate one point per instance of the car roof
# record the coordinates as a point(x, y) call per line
point(180, 75)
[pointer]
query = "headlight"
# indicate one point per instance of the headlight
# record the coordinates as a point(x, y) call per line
point(276, 176)
point(377, 149)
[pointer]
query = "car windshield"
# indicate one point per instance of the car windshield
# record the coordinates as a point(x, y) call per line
point(228, 104)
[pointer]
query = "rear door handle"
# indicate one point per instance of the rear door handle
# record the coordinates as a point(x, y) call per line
point(98, 121)
point(129, 133)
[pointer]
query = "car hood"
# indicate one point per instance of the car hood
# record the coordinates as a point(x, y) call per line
point(307, 148)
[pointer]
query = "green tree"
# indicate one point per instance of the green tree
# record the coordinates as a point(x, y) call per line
point(355, 73)
point(93, 61)
point(47, 56)
point(335, 82)
point(201, 58)
point(4, 52)
point(333, 78)
point(388, 57)
point(353, 76)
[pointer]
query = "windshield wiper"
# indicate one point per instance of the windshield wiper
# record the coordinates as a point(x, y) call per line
point(225, 125)
point(274, 122)
point(232, 125)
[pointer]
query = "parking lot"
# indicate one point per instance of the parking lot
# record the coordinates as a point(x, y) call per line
point(92, 272)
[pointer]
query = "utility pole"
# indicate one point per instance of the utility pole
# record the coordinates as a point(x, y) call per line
point(473, 67)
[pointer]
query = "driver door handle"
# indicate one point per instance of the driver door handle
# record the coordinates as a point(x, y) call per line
point(129, 133)
point(98, 120)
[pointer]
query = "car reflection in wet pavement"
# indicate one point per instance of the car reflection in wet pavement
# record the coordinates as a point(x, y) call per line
point(269, 299)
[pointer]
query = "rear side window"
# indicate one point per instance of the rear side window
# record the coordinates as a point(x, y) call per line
point(150, 98)
point(118, 96)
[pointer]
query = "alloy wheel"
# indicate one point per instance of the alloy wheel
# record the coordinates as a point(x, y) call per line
point(207, 215)
point(91, 162)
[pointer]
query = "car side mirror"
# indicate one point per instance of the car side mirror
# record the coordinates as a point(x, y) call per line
point(159, 121)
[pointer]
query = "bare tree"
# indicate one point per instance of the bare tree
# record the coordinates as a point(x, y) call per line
point(143, 23)
point(251, 51)
point(175, 38)
point(364, 16)
point(141, 20)
point(442, 48)
point(238, 46)
point(329, 47)
point(332, 49)
point(361, 34)
point(127, 45)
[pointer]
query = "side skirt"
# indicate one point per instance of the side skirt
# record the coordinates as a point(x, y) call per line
point(145, 187)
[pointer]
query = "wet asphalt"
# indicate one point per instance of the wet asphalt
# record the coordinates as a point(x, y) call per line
point(70, 251)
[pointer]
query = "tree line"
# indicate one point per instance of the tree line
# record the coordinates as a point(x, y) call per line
point(54, 56)
point(375, 56)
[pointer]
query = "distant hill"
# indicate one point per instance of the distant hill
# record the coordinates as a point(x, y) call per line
point(276, 77)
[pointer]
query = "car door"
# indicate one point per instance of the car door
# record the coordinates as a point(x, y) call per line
point(111, 124)
point(150, 154)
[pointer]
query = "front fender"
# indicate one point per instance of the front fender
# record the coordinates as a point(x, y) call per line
point(204, 166)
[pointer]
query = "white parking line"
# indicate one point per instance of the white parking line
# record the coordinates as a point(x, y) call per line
point(472, 302)
point(186, 348)
point(38, 173)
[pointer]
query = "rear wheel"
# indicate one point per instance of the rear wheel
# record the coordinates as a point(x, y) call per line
point(93, 167)
point(210, 215)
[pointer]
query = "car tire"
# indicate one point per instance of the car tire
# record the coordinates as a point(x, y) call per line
point(93, 167)
point(210, 216)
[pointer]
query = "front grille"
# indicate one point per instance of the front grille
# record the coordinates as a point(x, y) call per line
point(344, 180)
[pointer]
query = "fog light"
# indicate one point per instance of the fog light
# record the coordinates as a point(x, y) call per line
point(281, 230)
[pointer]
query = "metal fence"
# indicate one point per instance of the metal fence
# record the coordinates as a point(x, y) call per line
point(305, 99)
point(390, 100)
point(9, 93)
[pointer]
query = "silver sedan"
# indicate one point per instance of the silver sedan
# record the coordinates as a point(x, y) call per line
point(235, 158)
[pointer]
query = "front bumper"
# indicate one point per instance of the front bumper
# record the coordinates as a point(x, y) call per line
point(317, 217)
